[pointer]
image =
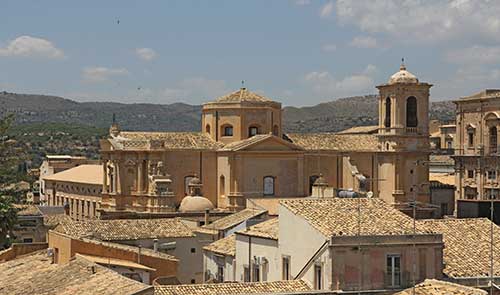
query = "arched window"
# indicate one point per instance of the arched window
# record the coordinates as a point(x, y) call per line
point(269, 186)
point(207, 128)
point(222, 185)
point(276, 130)
point(227, 130)
point(312, 179)
point(411, 112)
point(253, 130)
point(493, 140)
point(387, 121)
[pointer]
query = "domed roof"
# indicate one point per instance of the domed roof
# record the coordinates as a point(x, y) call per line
point(195, 204)
point(243, 95)
point(403, 76)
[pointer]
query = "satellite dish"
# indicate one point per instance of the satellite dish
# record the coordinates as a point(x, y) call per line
point(369, 194)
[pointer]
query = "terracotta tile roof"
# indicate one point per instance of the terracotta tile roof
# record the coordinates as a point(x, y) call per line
point(35, 274)
point(444, 178)
point(435, 287)
point(126, 229)
point(129, 140)
point(234, 288)
point(115, 261)
point(466, 245)
point(248, 142)
point(487, 93)
point(360, 130)
point(87, 173)
point(268, 229)
point(243, 95)
point(267, 203)
point(335, 142)
point(234, 219)
point(54, 220)
point(225, 246)
point(338, 216)
point(27, 210)
point(445, 159)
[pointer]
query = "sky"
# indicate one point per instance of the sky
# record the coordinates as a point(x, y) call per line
point(298, 52)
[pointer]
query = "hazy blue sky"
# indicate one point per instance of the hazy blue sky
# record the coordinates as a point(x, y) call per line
point(299, 52)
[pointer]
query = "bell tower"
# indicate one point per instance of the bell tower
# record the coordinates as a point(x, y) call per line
point(403, 137)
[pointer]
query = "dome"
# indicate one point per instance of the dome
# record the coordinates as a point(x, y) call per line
point(403, 76)
point(195, 204)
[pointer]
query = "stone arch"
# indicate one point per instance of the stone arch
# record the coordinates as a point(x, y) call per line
point(387, 120)
point(411, 112)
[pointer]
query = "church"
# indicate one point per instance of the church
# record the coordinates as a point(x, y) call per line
point(242, 153)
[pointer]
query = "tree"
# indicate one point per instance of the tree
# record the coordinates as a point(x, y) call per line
point(8, 219)
point(8, 213)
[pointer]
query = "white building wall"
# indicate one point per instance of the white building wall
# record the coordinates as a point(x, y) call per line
point(299, 240)
point(212, 262)
point(258, 247)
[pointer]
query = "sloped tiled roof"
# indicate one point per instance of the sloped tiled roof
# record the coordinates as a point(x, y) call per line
point(339, 216)
point(54, 220)
point(234, 219)
point(444, 178)
point(335, 142)
point(466, 245)
point(436, 287)
point(243, 95)
point(487, 93)
point(126, 229)
point(166, 140)
point(35, 274)
point(27, 210)
point(234, 288)
point(87, 174)
point(268, 229)
point(225, 246)
point(360, 130)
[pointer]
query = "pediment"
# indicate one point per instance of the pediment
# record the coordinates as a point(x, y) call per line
point(263, 143)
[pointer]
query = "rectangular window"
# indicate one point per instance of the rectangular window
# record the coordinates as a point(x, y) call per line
point(246, 274)
point(470, 173)
point(220, 273)
point(471, 139)
point(393, 264)
point(444, 209)
point(318, 277)
point(27, 240)
point(256, 273)
point(285, 266)
point(492, 174)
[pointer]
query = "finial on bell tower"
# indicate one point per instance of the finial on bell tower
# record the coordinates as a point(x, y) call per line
point(114, 130)
point(242, 84)
point(402, 67)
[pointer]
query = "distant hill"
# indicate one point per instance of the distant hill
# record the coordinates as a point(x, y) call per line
point(335, 115)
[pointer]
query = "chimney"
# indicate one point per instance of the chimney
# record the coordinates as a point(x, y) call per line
point(155, 245)
point(139, 255)
point(207, 216)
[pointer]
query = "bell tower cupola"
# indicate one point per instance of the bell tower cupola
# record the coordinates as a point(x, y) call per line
point(404, 105)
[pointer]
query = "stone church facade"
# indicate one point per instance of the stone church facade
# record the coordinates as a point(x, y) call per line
point(242, 153)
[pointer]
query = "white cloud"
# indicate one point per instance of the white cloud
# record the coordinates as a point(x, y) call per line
point(27, 46)
point(432, 20)
point(326, 10)
point(363, 42)
point(474, 55)
point(329, 47)
point(101, 74)
point(325, 84)
point(146, 54)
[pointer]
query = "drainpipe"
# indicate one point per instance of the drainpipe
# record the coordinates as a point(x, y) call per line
point(250, 258)
point(139, 255)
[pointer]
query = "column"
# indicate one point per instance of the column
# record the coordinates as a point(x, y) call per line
point(140, 175)
point(105, 177)
point(118, 188)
